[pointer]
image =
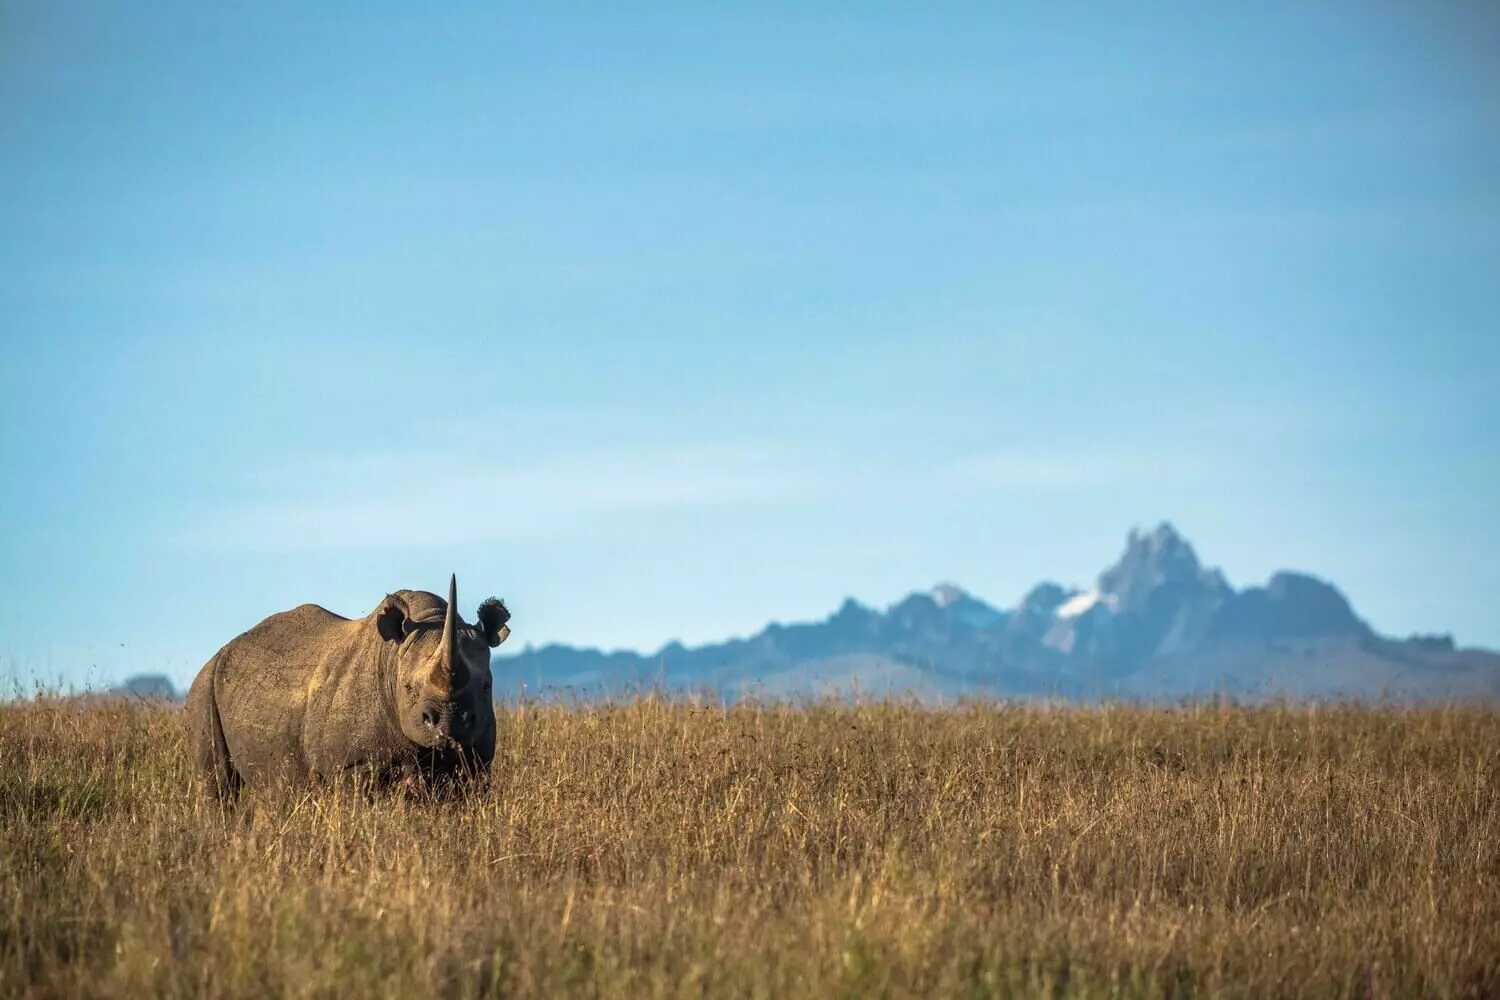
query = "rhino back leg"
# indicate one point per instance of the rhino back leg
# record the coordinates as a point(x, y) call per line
point(206, 736)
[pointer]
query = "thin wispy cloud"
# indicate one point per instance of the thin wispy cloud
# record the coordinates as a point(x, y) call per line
point(385, 501)
point(1003, 470)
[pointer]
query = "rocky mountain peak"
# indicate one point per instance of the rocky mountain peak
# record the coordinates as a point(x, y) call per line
point(1152, 560)
point(1044, 599)
point(851, 609)
point(1290, 605)
point(948, 594)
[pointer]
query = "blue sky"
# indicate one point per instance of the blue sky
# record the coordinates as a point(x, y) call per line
point(667, 322)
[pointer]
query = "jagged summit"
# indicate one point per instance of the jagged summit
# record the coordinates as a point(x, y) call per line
point(1153, 560)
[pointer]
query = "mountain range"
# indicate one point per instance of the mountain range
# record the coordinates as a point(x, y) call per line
point(1157, 625)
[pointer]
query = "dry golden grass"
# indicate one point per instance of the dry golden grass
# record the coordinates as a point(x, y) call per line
point(652, 849)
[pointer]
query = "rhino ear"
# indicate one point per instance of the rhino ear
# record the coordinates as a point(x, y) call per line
point(492, 618)
point(391, 619)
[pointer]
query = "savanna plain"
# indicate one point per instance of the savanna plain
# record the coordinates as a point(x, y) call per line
point(651, 848)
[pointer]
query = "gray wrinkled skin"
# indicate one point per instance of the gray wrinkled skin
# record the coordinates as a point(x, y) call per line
point(307, 695)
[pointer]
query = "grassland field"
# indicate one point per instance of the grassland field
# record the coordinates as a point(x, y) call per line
point(652, 848)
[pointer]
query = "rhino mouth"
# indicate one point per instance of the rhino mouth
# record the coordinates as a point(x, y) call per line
point(438, 737)
point(445, 728)
point(435, 737)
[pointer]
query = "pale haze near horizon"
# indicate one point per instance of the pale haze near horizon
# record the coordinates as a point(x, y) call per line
point(664, 324)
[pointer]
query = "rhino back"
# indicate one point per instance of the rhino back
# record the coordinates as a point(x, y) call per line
point(350, 719)
point(263, 683)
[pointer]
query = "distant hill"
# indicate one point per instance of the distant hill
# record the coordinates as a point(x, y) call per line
point(147, 687)
point(140, 687)
point(1157, 625)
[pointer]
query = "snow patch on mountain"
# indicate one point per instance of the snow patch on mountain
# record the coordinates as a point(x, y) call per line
point(1083, 602)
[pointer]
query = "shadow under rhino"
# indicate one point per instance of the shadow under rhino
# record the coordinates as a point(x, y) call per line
point(401, 696)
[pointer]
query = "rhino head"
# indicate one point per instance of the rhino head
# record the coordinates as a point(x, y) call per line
point(442, 668)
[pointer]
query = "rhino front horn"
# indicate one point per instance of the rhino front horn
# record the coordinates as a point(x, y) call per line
point(448, 655)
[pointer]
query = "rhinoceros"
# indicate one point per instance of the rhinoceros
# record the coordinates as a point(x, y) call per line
point(307, 695)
